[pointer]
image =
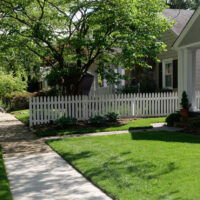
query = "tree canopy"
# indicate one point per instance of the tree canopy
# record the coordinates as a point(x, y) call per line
point(72, 36)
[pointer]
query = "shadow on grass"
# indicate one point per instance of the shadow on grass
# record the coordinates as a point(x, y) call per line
point(97, 129)
point(122, 171)
point(166, 136)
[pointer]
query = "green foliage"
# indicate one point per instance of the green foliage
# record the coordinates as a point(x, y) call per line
point(71, 36)
point(64, 122)
point(112, 117)
point(97, 120)
point(172, 118)
point(185, 101)
point(195, 122)
point(156, 165)
point(5, 193)
point(10, 84)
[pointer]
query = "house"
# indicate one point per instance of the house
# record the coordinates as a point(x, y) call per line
point(164, 75)
point(187, 46)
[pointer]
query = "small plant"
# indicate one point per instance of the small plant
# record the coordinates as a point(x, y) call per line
point(184, 101)
point(112, 117)
point(65, 121)
point(173, 118)
point(185, 105)
point(97, 120)
point(195, 123)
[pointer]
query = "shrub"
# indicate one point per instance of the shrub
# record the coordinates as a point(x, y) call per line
point(49, 92)
point(21, 101)
point(65, 121)
point(184, 101)
point(97, 120)
point(16, 101)
point(195, 122)
point(10, 84)
point(112, 117)
point(172, 118)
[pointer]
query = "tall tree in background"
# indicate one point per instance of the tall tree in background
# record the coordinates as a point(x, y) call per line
point(71, 36)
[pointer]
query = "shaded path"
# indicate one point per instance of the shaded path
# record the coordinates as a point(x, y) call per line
point(35, 171)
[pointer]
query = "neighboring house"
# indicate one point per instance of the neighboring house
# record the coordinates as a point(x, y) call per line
point(165, 73)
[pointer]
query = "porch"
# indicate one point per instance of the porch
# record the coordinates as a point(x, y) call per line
point(188, 47)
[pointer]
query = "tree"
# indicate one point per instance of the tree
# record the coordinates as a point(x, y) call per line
point(183, 4)
point(15, 58)
point(71, 36)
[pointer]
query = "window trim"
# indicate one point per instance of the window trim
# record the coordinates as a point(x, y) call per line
point(164, 62)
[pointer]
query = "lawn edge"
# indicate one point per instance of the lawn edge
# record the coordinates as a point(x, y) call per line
point(4, 169)
point(102, 190)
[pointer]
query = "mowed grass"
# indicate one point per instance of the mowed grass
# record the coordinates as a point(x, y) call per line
point(135, 124)
point(5, 193)
point(22, 115)
point(138, 166)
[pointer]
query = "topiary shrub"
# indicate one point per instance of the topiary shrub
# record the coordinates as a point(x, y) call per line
point(173, 118)
point(65, 121)
point(112, 117)
point(97, 120)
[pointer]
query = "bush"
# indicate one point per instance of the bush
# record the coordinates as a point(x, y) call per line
point(16, 101)
point(97, 120)
point(195, 122)
point(112, 117)
point(172, 118)
point(42, 93)
point(21, 101)
point(10, 84)
point(65, 121)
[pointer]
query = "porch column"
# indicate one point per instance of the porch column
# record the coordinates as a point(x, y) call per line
point(186, 75)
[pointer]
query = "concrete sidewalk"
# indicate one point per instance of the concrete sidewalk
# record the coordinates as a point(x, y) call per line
point(48, 177)
point(35, 171)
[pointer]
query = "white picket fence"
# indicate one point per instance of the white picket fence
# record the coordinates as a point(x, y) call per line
point(46, 109)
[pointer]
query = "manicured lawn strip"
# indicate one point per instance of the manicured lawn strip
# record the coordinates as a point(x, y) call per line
point(135, 124)
point(150, 165)
point(5, 193)
point(22, 115)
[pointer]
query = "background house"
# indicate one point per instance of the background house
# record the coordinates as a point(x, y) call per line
point(164, 75)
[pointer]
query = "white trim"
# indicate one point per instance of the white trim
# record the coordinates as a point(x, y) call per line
point(194, 45)
point(164, 62)
point(186, 29)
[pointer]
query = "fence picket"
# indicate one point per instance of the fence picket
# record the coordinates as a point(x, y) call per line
point(45, 109)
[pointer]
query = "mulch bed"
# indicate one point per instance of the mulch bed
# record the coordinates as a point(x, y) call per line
point(83, 125)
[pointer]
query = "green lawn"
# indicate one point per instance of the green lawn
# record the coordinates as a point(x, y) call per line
point(5, 193)
point(135, 124)
point(138, 166)
point(22, 115)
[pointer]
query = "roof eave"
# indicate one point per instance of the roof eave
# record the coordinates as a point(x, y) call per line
point(185, 30)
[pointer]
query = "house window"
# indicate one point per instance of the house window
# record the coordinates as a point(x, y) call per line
point(168, 74)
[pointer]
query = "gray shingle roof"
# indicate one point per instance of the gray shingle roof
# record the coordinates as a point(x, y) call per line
point(181, 17)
